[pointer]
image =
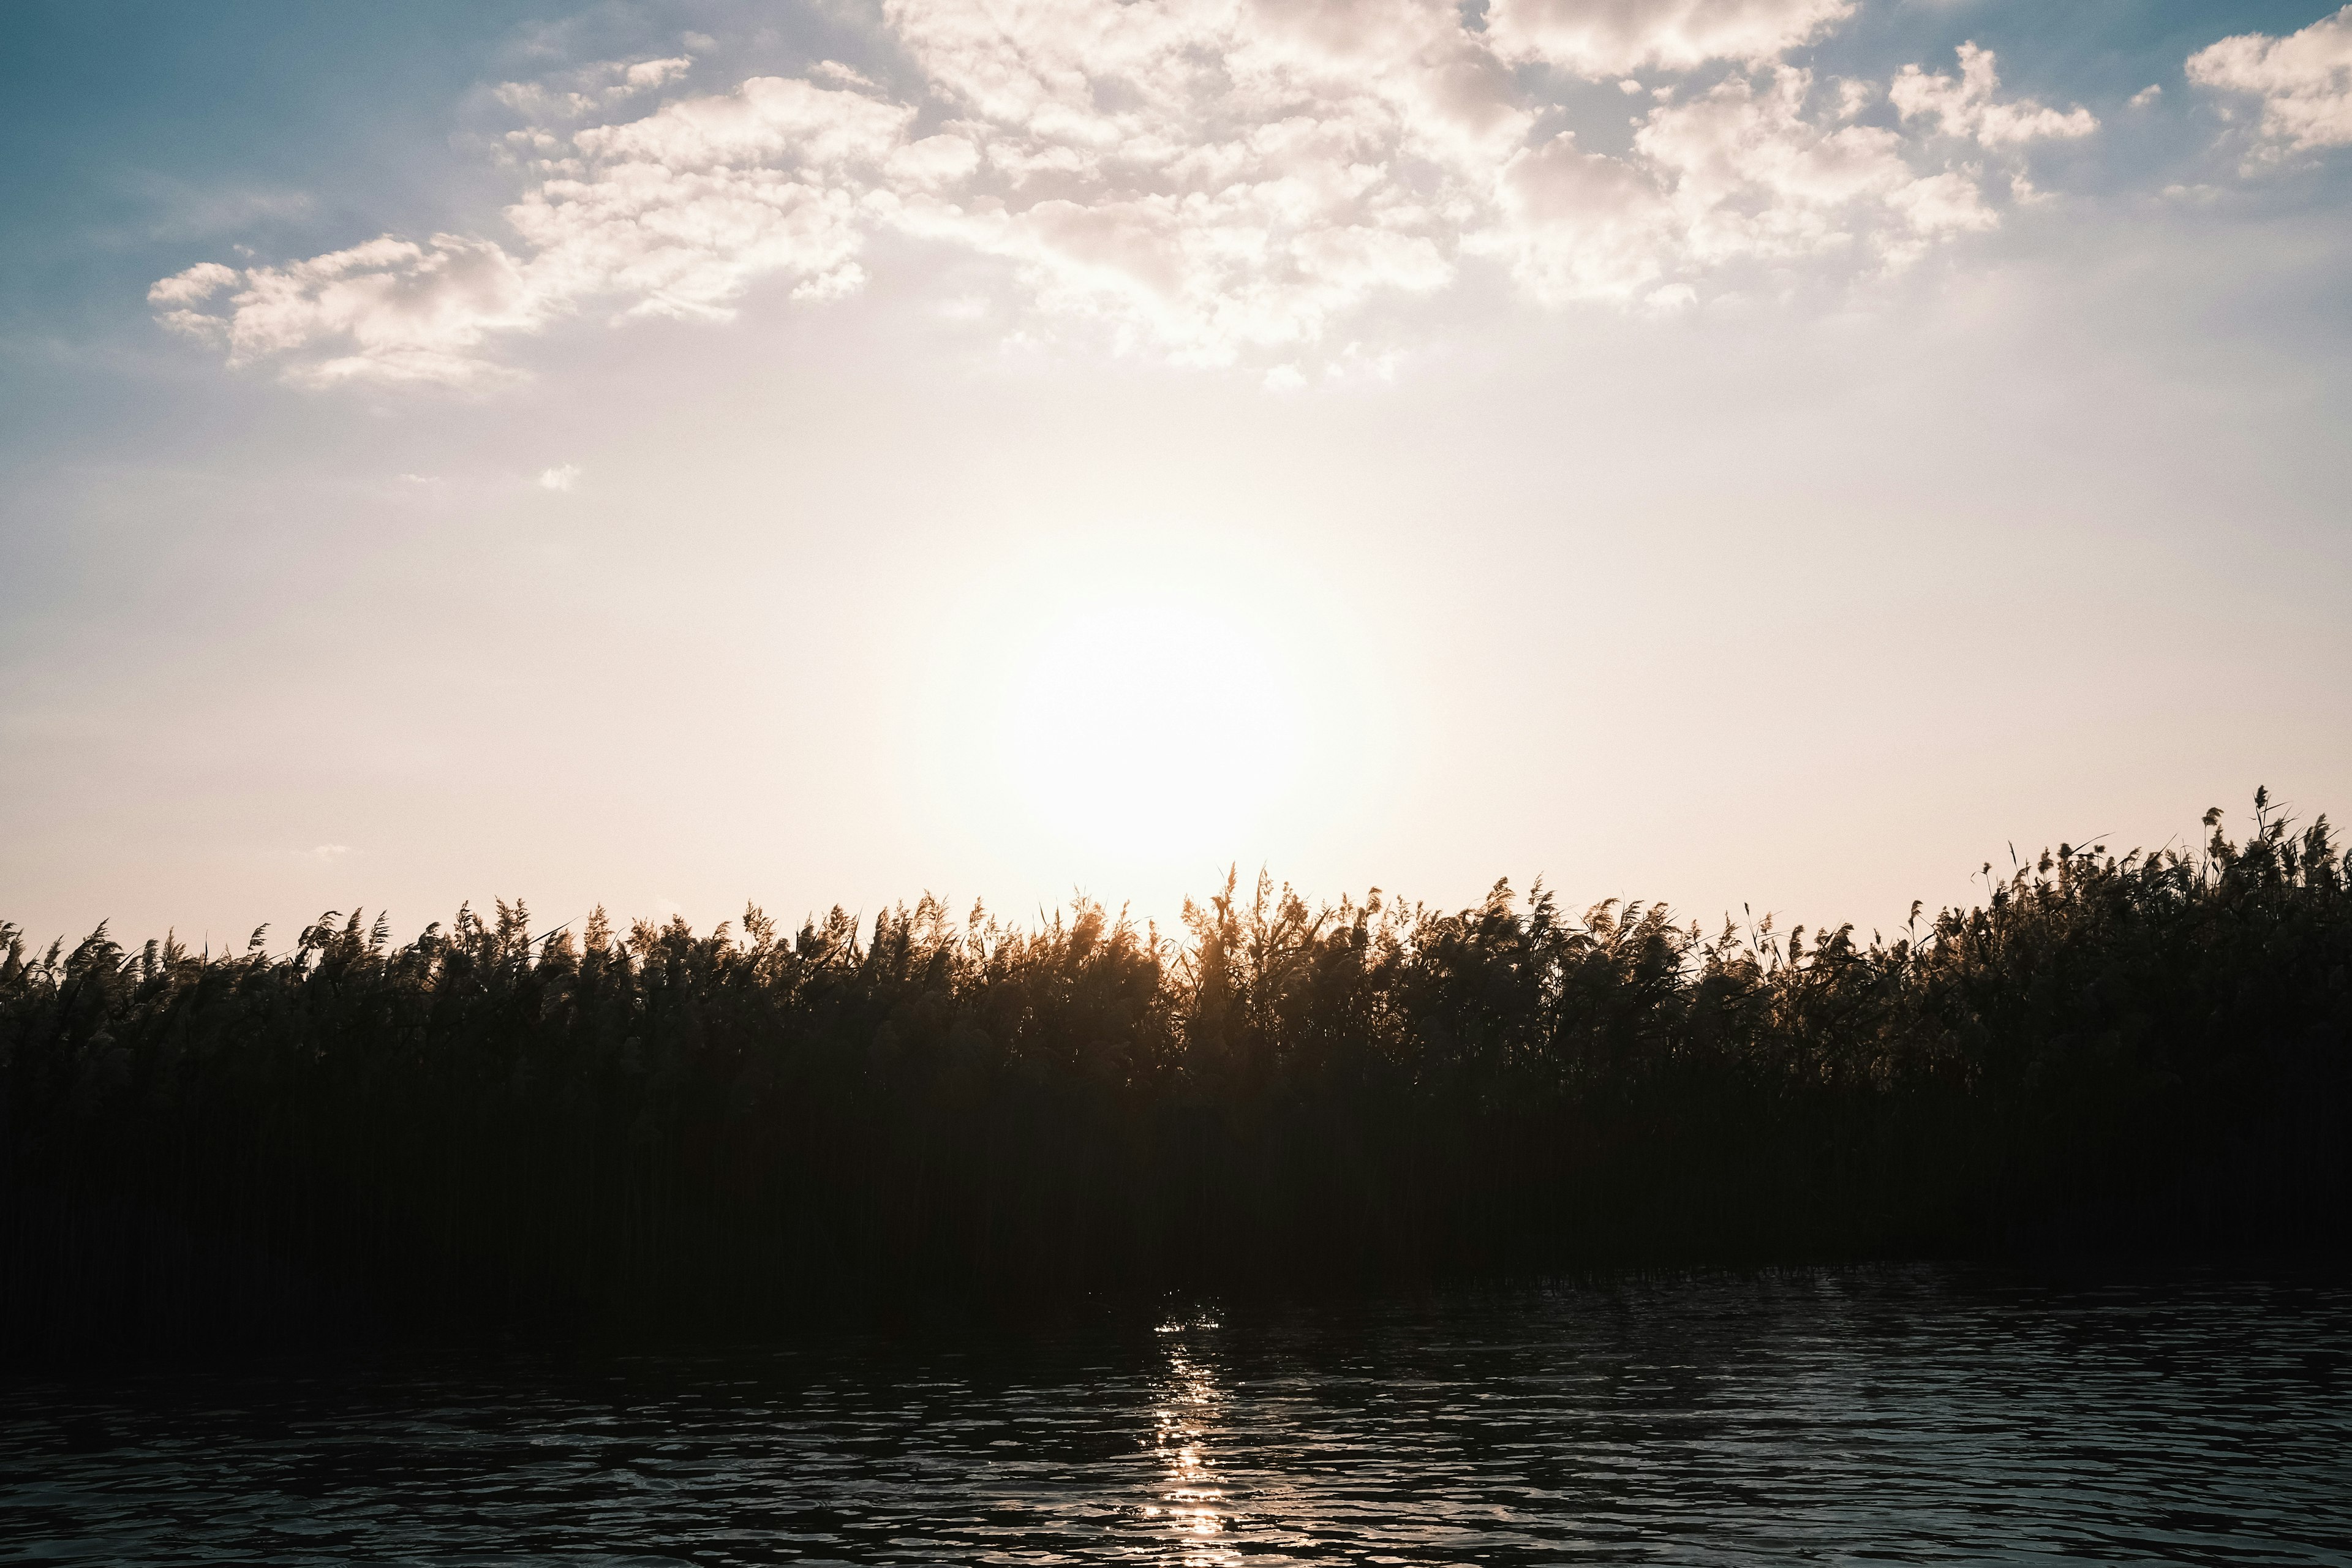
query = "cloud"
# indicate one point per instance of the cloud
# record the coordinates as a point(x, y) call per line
point(683, 210)
point(1212, 179)
point(2303, 80)
point(676, 214)
point(1581, 225)
point(1755, 175)
point(176, 298)
point(935, 162)
point(562, 479)
point(1965, 105)
point(391, 309)
point(1599, 38)
point(647, 74)
point(591, 87)
point(1204, 181)
point(1749, 171)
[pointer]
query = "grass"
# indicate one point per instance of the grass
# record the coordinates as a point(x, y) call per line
point(487, 1128)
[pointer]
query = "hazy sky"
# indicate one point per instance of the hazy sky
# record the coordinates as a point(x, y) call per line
point(675, 453)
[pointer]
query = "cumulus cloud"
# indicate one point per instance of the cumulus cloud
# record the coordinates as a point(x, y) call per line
point(1209, 176)
point(2304, 80)
point(676, 214)
point(591, 88)
point(391, 309)
point(1965, 105)
point(1755, 174)
point(683, 209)
point(1581, 225)
point(1208, 181)
point(176, 299)
point(1748, 171)
point(562, 479)
point(1601, 38)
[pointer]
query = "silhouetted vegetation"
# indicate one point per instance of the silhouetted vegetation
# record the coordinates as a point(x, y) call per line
point(598, 1128)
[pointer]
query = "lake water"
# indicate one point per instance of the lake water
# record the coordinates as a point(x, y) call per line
point(1912, 1415)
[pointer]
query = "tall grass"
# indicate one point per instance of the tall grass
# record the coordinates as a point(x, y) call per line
point(492, 1128)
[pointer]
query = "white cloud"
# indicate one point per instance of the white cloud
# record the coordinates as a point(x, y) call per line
point(1601, 39)
point(1209, 176)
point(1206, 181)
point(683, 209)
point(1581, 226)
point(198, 283)
point(591, 87)
point(177, 296)
point(391, 309)
point(765, 122)
point(934, 163)
point(1753, 176)
point(1965, 105)
point(2303, 80)
point(677, 213)
point(1745, 172)
point(648, 74)
point(562, 479)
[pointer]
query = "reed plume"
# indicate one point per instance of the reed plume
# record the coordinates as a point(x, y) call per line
point(489, 1127)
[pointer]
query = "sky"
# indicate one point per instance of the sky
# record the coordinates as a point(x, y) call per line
point(1764, 453)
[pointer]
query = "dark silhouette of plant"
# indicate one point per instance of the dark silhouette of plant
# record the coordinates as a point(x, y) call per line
point(585, 1128)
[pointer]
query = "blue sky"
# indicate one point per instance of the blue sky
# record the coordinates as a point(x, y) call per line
point(674, 455)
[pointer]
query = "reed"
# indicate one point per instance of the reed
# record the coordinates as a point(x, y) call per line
point(657, 1127)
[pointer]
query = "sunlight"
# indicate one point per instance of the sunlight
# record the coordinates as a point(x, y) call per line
point(1151, 723)
point(1138, 707)
point(1193, 1501)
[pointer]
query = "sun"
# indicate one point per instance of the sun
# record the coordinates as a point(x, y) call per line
point(1150, 724)
point(1130, 711)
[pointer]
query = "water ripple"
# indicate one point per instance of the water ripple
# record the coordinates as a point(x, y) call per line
point(1911, 1416)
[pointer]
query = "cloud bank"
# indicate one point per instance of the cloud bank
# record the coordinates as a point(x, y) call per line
point(1204, 181)
point(2304, 82)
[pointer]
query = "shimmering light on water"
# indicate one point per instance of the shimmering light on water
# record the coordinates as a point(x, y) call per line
point(1915, 1414)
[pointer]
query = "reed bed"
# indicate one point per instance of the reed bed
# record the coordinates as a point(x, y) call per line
point(658, 1128)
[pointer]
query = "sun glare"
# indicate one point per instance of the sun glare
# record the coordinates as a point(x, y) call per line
point(1151, 724)
point(1130, 716)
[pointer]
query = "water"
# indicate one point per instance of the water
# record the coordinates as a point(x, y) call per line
point(1909, 1414)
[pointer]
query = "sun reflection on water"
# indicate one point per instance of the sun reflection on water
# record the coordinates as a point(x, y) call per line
point(1186, 1405)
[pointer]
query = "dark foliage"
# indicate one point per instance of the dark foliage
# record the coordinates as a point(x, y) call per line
point(590, 1130)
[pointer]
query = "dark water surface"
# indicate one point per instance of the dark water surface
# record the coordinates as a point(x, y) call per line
point(1919, 1415)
